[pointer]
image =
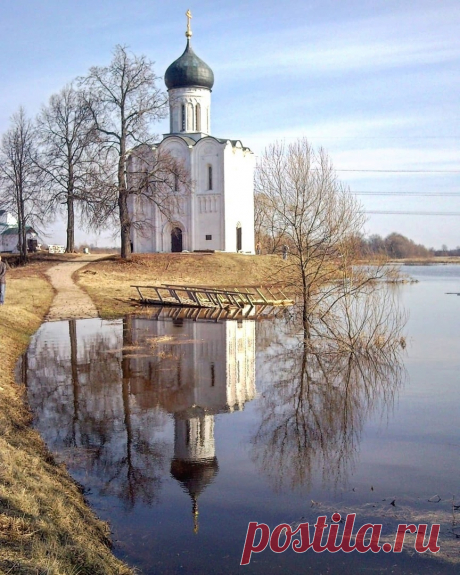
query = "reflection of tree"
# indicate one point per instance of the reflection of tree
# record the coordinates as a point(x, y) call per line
point(313, 413)
point(80, 392)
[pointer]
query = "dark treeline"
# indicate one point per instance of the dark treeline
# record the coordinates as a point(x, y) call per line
point(445, 251)
point(397, 246)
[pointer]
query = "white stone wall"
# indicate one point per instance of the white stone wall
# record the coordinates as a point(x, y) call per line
point(151, 231)
point(9, 243)
point(182, 207)
point(209, 212)
point(239, 197)
point(240, 363)
point(216, 373)
point(208, 200)
point(194, 438)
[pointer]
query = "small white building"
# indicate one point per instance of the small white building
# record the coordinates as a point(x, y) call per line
point(217, 213)
point(9, 234)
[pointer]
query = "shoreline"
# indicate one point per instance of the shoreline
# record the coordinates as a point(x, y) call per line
point(46, 525)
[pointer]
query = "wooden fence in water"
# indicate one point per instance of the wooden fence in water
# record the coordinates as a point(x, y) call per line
point(234, 301)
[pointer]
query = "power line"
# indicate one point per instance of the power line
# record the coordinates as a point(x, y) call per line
point(402, 171)
point(436, 194)
point(360, 137)
point(403, 213)
point(408, 138)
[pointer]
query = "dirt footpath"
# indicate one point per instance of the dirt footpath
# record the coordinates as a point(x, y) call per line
point(70, 301)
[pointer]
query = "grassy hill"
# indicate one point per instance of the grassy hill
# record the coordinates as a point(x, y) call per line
point(108, 281)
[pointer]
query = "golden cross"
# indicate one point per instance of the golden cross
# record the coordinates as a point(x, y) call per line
point(189, 17)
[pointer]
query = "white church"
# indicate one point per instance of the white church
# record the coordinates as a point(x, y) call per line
point(216, 212)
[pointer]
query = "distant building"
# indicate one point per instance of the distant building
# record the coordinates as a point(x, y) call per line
point(218, 212)
point(9, 234)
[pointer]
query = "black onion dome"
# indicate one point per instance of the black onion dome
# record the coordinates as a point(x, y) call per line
point(189, 71)
point(194, 476)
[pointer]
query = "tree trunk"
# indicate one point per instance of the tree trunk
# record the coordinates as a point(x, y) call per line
point(125, 222)
point(305, 301)
point(22, 230)
point(70, 246)
point(125, 226)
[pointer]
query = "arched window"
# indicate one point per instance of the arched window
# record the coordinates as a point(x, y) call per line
point(176, 240)
point(183, 118)
point(198, 117)
point(190, 118)
point(239, 237)
point(209, 177)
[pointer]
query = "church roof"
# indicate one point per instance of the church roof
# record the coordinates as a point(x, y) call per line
point(192, 142)
point(14, 231)
point(189, 71)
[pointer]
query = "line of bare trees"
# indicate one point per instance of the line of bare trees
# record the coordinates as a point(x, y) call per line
point(72, 159)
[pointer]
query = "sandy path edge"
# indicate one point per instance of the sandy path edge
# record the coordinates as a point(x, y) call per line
point(70, 301)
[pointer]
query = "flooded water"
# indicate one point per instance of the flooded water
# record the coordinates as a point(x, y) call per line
point(182, 432)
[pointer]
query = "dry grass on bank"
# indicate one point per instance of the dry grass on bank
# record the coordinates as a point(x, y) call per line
point(45, 525)
point(108, 281)
point(435, 260)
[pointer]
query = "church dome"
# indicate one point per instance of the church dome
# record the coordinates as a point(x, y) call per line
point(194, 476)
point(189, 71)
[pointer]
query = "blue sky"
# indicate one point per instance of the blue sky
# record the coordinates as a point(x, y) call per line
point(376, 83)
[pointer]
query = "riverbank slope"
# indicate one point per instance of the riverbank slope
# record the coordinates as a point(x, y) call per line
point(45, 524)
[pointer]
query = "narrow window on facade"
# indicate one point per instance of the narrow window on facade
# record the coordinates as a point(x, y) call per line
point(198, 117)
point(213, 375)
point(176, 182)
point(187, 432)
point(209, 177)
point(239, 237)
point(183, 118)
point(190, 118)
point(208, 237)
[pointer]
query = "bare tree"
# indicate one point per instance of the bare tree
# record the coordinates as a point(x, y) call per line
point(155, 178)
point(318, 398)
point(69, 156)
point(319, 220)
point(313, 413)
point(124, 100)
point(21, 190)
point(269, 231)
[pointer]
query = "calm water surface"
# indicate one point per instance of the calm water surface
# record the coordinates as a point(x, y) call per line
point(182, 432)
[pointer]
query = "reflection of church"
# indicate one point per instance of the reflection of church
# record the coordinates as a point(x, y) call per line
point(205, 369)
point(104, 397)
point(218, 212)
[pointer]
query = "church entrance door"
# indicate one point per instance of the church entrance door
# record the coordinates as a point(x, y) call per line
point(239, 238)
point(176, 240)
